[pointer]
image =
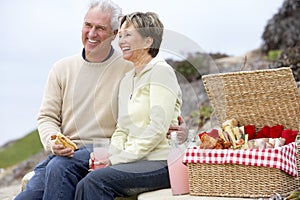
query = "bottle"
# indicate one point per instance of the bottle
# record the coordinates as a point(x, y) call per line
point(191, 140)
point(178, 171)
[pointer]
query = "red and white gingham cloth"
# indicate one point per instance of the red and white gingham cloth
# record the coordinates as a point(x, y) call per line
point(283, 158)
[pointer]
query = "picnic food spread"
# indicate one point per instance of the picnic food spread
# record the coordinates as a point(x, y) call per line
point(231, 136)
point(59, 138)
point(230, 145)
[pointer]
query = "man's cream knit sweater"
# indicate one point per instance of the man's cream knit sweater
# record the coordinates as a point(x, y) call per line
point(80, 99)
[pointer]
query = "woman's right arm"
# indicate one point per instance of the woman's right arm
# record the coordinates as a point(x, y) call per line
point(118, 140)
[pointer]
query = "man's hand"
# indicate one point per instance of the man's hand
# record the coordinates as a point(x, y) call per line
point(181, 129)
point(60, 150)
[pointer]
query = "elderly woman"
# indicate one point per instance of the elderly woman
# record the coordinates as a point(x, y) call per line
point(149, 102)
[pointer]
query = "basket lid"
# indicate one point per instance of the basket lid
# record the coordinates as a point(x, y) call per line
point(260, 97)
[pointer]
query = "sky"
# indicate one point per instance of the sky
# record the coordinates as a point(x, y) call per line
point(35, 34)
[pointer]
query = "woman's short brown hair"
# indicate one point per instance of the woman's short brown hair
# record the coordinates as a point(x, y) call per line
point(148, 25)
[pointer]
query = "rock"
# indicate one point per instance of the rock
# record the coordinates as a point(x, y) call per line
point(283, 29)
point(193, 95)
point(14, 174)
point(282, 32)
point(9, 192)
point(252, 60)
point(290, 57)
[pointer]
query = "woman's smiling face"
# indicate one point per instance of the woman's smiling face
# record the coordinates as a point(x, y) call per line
point(132, 44)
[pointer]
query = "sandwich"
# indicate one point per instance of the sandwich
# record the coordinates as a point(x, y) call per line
point(59, 138)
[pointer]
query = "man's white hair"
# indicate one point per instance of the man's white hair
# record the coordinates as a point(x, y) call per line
point(108, 6)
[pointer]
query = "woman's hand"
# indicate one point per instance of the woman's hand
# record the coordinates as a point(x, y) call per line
point(91, 161)
point(96, 164)
point(104, 163)
point(182, 130)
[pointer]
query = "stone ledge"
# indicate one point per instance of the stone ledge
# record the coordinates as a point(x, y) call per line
point(166, 194)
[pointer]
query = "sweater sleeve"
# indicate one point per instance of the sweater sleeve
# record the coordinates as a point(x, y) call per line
point(118, 140)
point(164, 93)
point(48, 118)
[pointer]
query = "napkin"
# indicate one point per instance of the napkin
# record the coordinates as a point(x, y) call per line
point(289, 135)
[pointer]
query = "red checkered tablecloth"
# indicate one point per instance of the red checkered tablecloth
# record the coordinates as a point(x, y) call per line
point(283, 158)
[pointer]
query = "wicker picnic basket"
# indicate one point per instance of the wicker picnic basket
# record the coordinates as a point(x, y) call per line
point(261, 97)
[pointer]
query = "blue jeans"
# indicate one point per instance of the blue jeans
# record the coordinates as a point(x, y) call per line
point(123, 180)
point(56, 177)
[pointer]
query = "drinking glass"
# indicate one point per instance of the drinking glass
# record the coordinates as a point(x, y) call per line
point(100, 148)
